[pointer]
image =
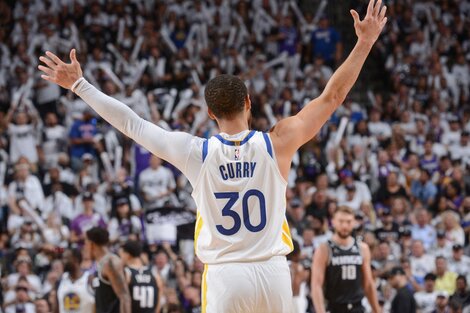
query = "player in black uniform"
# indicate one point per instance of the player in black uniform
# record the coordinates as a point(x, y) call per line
point(342, 268)
point(111, 291)
point(144, 287)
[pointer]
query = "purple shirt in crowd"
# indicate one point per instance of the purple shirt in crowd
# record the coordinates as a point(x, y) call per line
point(83, 222)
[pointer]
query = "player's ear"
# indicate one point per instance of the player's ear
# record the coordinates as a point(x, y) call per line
point(211, 114)
point(247, 103)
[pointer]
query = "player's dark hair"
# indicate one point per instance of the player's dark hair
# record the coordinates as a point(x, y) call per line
point(133, 247)
point(98, 236)
point(225, 96)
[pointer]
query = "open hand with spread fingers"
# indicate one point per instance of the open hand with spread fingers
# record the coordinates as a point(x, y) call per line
point(371, 26)
point(56, 71)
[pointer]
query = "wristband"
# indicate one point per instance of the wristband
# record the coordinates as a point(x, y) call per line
point(77, 82)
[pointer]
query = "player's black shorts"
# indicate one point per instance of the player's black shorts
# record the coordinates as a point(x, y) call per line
point(343, 308)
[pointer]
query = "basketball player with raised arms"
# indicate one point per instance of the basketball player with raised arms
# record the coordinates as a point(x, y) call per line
point(238, 176)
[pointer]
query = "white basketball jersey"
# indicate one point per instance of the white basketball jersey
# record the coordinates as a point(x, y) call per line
point(75, 297)
point(240, 196)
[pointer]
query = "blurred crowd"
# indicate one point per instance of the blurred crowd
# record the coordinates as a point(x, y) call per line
point(397, 152)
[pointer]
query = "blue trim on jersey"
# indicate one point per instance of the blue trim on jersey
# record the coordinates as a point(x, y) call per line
point(205, 145)
point(268, 144)
point(234, 143)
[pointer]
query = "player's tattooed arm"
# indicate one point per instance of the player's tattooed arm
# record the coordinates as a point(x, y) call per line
point(114, 271)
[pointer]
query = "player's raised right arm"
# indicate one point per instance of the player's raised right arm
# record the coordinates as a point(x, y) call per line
point(291, 133)
point(170, 146)
point(319, 263)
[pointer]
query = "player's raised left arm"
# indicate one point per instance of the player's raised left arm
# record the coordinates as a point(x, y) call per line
point(368, 280)
point(170, 146)
point(291, 133)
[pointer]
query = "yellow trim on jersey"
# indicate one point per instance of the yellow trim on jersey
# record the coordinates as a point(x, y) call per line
point(286, 236)
point(204, 290)
point(285, 227)
point(238, 142)
point(197, 229)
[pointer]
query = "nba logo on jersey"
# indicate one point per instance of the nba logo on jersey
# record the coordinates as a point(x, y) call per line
point(237, 154)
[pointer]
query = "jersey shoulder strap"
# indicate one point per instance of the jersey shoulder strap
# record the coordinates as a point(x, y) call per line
point(205, 148)
point(269, 146)
point(329, 246)
point(357, 243)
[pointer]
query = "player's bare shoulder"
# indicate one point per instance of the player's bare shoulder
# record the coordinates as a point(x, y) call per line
point(365, 251)
point(321, 255)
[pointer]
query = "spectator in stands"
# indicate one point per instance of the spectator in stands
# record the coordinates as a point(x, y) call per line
point(423, 188)
point(288, 37)
point(82, 139)
point(391, 189)
point(442, 247)
point(426, 299)
point(307, 246)
point(429, 160)
point(390, 231)
point(157, 185)
point(442, 302)
point(446, 279)
point(326, 43)
point(454, 231)
point(25, 186)
point(459, 263)
point(462, 294)
point(162, 266)
point(423, 230)
point(22, 301)
point(22, 136)
point(88, 219)
point(352, 192)
point(125, 225)
point(42, 306)
point(421, 262)
point(23, 265)
point(53, 140)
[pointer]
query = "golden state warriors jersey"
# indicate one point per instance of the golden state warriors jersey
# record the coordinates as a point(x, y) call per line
point(75, 296)
point(241, 201)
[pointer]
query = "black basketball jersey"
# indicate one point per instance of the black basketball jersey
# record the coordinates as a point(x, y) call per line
point(143, 289)
point(343, 277)
point(106, 300)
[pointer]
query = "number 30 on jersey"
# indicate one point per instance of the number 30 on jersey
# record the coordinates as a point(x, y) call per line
point(237, 220)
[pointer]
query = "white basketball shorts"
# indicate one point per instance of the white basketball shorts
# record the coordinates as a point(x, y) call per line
point(247, 287)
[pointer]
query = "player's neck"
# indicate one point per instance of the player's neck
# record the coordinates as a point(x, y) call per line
point(101, 253)
point(342, 241)
point(234, 126)
point(75, 274)
point(135, 263)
